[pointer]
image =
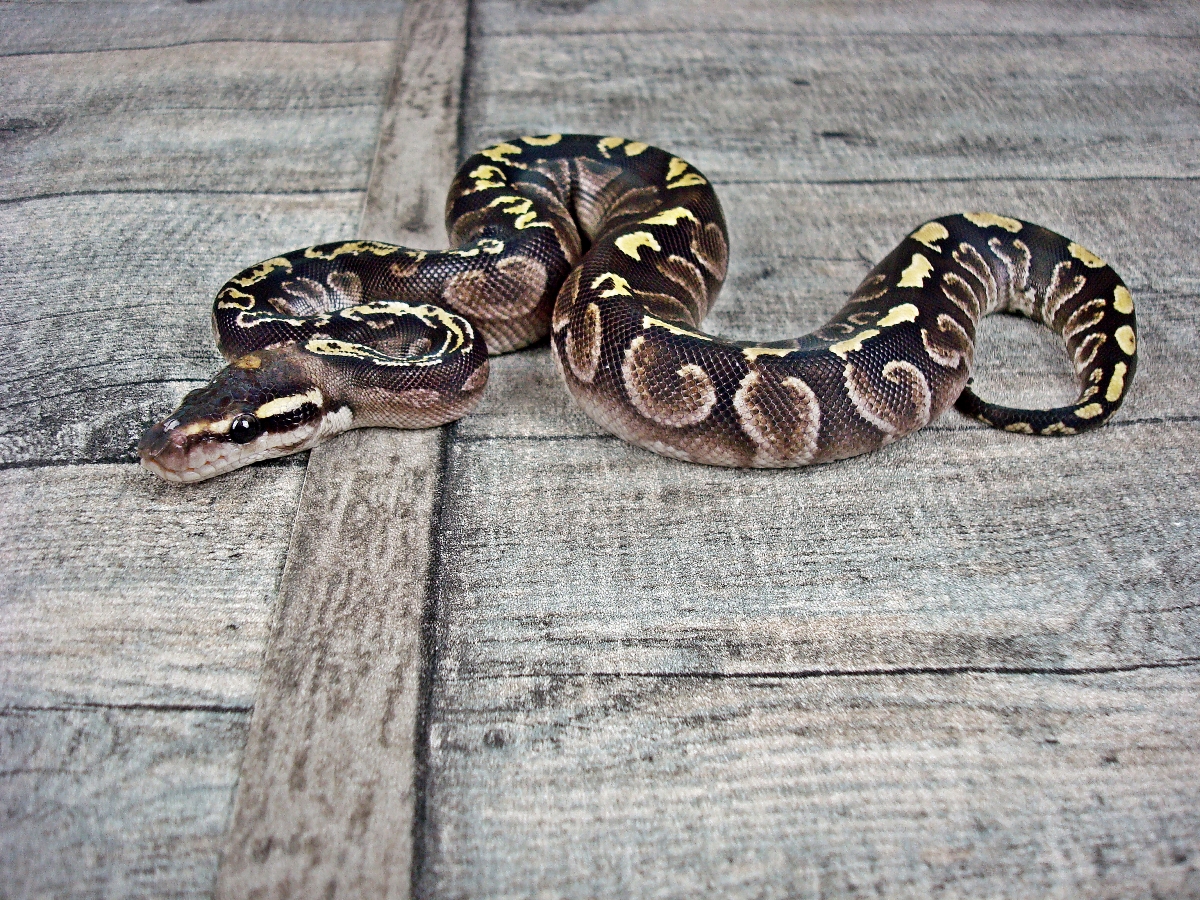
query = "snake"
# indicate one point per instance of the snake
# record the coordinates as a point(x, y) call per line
point(615, 250)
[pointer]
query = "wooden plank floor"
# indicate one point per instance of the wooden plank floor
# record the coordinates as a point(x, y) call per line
point(148, 153)
point(968, 665)
point(963, 667)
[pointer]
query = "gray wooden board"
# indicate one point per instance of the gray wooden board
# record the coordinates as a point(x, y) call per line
point(326, 802)
point(47, 27)
point(210, 116)
point(637, 658)
point(105, 803)
point(110, 298)
point(150, 153)
point(120, 589)
point(949, 548)
point(750, 105)
point(698, 21)
point(938, 785)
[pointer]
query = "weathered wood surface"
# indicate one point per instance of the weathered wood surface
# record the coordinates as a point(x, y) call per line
point(328, 791)
point(133, 615)
point(107, 801)
point(120, 590)
point(965, 666)
point(930, 785)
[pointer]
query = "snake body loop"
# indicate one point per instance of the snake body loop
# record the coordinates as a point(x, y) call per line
point(616, 250)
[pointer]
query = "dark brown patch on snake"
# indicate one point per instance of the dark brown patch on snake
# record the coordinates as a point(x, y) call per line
point(582, 344)
point(896, 404)
point(667, 308)
point(687, 275)
point(711, 248)
point(664, 388)
point(948, 344)
point(781, 416)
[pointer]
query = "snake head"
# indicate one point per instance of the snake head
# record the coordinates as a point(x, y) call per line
point(261, 406)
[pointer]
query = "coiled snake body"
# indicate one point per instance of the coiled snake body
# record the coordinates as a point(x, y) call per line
point(617, 250)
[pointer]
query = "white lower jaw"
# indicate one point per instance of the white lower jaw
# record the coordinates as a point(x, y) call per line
point(228, 457)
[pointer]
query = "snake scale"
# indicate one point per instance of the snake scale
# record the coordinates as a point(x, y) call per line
point(616, 250)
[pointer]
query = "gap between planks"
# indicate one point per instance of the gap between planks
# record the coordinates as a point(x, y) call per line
point(326, 800)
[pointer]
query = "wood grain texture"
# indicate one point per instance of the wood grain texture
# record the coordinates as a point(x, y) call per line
point(417, 153)
point(120, 589)
point(138, 281)
point(872, 107)
point(327, 796)
point(45, 27)
point(1043, 555)
point(699, 19)
point(199, 117)
point(325, 799)
point(927, 785)
point(964, 666)
point(104, 802)
point(133, 615)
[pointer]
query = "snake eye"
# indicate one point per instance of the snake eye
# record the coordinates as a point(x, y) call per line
point(244, 429)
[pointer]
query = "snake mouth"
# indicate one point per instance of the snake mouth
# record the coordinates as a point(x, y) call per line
point(184, 454)
point(177, 457)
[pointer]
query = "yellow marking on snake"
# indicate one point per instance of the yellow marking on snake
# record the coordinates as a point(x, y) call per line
point(905, 312)
point(670, 217)
point(929, 234)
point(687, 181)
point(1085, 256)
point(253, 319)
point(620, 287)
point(1019, 428)
point(542, 141)
point(649, 321)
point(249, 361)
point(220, 427)
point(521, 209)
point(987, 219)
point(281, 405)
point(1057, 428)
point(487, 177)
point(234, 294)
point(325, 347)
point(1122, 300)
point(418, 255)
point(753, 353)
point(609, 143)
point(1116, 386)
point(916, 273)
point(850, 344)
point(490, 246)
point(630, 244)
point(1127, 339)
point(1090, 411)
point(373, 247)
point(499, 152)
point(675, 168)
point(486, 172)
point(633, 148)
point(263, 270)
point(1096, 376)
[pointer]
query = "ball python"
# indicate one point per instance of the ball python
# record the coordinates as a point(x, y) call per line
point(616, 250)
